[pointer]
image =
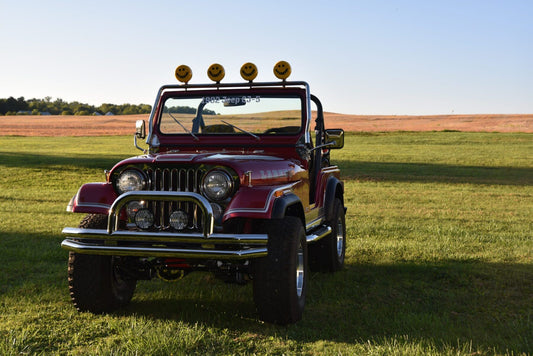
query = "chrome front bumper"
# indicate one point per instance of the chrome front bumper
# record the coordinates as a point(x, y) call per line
point(203, 245)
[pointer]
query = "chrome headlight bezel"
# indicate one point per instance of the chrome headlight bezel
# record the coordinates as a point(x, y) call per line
point(217, 185)
point(130, 180)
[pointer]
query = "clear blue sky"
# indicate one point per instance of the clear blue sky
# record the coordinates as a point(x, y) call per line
point(359, 57)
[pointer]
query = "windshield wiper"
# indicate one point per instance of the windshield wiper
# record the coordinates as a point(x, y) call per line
point(183, 127)
point(238, 128)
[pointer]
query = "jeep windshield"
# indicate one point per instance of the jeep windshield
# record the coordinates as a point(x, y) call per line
point(253, 115)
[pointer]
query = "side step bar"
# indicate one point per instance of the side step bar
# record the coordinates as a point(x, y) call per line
point(319, 233)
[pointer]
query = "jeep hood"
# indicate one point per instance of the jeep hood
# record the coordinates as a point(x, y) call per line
point(261, 169)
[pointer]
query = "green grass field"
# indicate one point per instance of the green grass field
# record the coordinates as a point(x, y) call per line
point(439, 261)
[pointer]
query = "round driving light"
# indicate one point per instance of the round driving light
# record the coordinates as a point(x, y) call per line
point(130, 180)
point(248, 71)
point(183, 73)
point(178, 220)
point(216, 72)
point(217, 185)
point(282, 70)
point(133, 207)
point(144, 219)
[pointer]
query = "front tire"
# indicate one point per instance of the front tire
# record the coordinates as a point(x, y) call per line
point(97, 283)
point(280, 279)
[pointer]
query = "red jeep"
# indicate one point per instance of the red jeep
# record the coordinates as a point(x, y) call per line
point(234, 181)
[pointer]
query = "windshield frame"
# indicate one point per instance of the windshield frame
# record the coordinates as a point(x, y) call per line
point(291, 89)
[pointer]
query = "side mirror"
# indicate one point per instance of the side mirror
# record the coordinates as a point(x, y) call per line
point(334, 138)
point(140, 132)
point(140, 129)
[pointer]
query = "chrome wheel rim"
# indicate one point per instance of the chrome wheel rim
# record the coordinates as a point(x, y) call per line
point(340, 239)
point(300, 271)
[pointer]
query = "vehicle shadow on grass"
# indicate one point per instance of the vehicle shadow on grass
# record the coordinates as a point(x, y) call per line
point(30, 259)
point(39, 160)
point(442, 304)
point(429, 172)
point(490, 304)
point(358, 170)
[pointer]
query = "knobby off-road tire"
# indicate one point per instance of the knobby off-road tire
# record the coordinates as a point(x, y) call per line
point(280, 279)
point(327, 254)
point(95, 282)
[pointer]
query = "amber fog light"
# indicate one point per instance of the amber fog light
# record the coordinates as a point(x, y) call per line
point(144, 219)
point(217, 213)
point(133, 207)
point(178, 220)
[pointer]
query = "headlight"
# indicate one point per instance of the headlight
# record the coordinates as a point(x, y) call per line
point(129, 180)
point(217, 185)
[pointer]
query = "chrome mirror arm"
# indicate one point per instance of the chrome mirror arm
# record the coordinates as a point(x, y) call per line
point(136, 145)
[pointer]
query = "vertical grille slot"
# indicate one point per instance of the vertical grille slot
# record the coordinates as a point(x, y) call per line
point(175, 180)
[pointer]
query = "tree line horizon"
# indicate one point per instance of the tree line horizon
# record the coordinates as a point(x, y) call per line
point(21, 106)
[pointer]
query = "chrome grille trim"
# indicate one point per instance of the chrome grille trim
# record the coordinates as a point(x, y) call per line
point(175, 180)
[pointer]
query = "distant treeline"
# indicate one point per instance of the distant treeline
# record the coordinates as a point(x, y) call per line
point(187, 110)
point(46, 106)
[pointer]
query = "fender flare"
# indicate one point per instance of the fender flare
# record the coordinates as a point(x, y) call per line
point(288, 204)
point(334, 189)
point(93, 198)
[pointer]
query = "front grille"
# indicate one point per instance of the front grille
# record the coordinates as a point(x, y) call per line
point(176, 180)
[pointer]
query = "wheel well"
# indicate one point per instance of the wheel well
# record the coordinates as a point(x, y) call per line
point(296, 210)
point(334, 189)
point(339, 193)
point(288, 205)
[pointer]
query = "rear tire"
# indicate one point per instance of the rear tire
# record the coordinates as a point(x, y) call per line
point(97, 283)
point(327, 254)
point(280, 279)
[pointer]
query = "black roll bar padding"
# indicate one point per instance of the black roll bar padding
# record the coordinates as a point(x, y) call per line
point(317, 159)
point(319, 118)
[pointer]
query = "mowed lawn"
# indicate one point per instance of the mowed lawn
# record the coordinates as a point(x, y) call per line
point(439, 258)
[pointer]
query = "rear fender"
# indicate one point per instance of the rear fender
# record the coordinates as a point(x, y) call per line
point(93, 198)
point(334, 189)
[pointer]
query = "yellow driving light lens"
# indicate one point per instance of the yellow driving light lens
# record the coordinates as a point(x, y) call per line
point(248, 71)
point(216, 72)
point(282, 70)
point(183, 73)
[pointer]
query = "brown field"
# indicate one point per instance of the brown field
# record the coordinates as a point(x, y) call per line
point(125, 124)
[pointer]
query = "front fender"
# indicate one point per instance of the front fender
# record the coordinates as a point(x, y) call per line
point(288, 204)
point(93, 198)
point(256, 202)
